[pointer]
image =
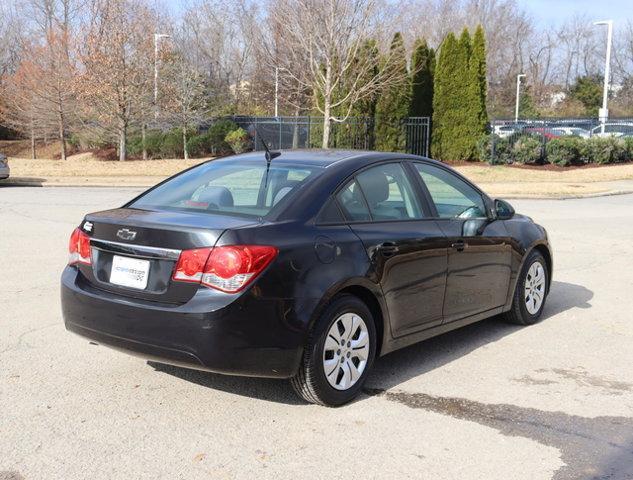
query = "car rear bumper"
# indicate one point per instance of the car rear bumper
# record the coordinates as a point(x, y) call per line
point(245, 337)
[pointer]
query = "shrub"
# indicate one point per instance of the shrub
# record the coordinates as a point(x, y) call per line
point(214, 138)
point(502, 150)
point(172, 144)
point(565, 151)
point(604, 150)
point(238, 140)
point(86, 140)
point(154, 143)
point(628, 145)
point(527, 149)
point(198, 146)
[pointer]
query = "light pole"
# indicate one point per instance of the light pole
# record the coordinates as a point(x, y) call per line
point(157, 37)
point(604, 112)
point(516, 107)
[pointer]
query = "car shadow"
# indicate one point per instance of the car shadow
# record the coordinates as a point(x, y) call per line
point(399, 366)
point(269, 389)
point(415, 360)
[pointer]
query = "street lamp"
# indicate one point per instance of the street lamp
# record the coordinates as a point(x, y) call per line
point(604, 112)
point(157, 37)
point(516, 108)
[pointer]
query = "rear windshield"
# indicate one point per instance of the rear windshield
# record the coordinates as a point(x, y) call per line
point(233, 188)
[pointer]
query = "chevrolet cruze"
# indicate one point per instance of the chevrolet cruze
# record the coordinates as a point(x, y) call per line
point(306, 265)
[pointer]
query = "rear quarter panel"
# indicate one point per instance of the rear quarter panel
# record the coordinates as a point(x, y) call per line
point(314, 263)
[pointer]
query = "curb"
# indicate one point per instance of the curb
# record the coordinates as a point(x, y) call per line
point(610, 193)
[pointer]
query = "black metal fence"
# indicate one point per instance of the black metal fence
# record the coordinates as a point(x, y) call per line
point(418, 135)
point(357, 133)
point(526, 140)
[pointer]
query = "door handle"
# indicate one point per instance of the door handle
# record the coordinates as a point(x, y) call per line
point(458, 245)
point(388, 248)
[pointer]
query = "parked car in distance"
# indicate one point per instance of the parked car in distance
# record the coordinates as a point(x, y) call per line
point(5, 171)
point(547, 132)
point(505, 131)
point(571, 132)
point(612, 130)
point(308, 266)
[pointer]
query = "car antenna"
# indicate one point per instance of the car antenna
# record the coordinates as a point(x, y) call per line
point(268, 155)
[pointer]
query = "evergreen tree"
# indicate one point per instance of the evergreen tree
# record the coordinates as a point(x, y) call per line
point(452, 107)
point(358, 132)
point(367, 106)
point(422, 66)
point(588, 91)
point(478, 70)
point(466, 145)
point(441, 95)
point(393, 102)
point(527, 109)
point(459, 101)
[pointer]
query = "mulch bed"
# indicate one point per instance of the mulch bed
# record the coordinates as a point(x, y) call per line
point(557, 168)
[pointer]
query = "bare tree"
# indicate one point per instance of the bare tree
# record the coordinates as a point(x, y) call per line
point(21, 108)
point(218, 40)
point(330, 34)
point(117, 49)
point(184, 91)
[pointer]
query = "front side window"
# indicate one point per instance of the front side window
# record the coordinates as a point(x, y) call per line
point(453, 197)
point(388, 193)
point(228, 187)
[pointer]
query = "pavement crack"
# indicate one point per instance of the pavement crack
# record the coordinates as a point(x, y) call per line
point(21, 337)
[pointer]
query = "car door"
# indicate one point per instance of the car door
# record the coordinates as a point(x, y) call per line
point(406, 246)
point(479, 250)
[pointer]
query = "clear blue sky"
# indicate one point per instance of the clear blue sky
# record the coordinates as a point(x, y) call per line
point(555, 12)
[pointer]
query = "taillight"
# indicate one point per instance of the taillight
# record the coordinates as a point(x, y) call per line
point(228, 268)
point(190, 266)
point(79, 248)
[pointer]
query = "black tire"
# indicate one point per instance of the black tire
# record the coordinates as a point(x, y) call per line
point(518, 313)
point(310, 382)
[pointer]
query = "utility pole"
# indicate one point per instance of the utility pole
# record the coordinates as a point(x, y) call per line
point(604, 111)
point(516, 108)
point(157, 37)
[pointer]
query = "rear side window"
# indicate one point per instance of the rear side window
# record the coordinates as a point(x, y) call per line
point(388, 193)
point(229, 187)
point(352, 203)
point(330, 213)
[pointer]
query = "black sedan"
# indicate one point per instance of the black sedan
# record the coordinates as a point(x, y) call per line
point(306, 266)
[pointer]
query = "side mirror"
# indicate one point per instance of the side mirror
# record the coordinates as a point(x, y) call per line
point(503, 210)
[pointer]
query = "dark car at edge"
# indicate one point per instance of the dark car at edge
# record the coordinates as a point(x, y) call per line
point(306, 265)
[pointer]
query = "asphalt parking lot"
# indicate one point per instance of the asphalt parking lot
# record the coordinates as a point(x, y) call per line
point(489, 401)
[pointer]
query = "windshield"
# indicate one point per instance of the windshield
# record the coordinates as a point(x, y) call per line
point(230, 187)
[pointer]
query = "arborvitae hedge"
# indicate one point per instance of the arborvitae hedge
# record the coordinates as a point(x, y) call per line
point(422, 66)
point(478, 70)
point(459, 117)
point(393, 102)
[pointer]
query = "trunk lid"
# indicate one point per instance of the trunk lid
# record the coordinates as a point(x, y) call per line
point(150, 241)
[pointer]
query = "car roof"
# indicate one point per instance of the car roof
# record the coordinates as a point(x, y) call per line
point(323, 157)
